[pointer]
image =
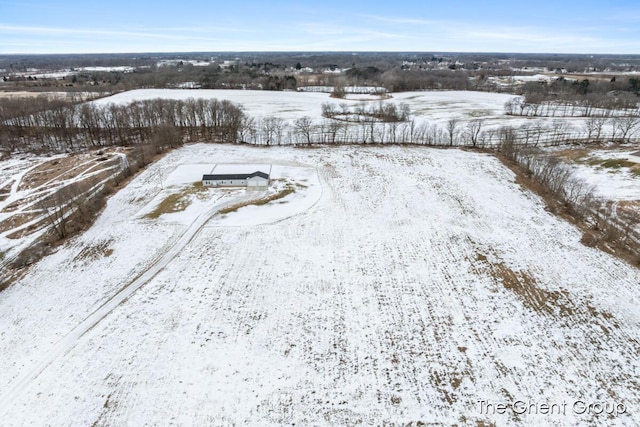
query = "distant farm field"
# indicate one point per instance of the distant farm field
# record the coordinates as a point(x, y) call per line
point(395, 285)
point(438, 106)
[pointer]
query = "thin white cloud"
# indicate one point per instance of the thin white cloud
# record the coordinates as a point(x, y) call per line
point(362, 32)
point(213, 29)
point(527, 36)
point(403, 21)
point(478, 36)
point(30, 31)
point(347, 31)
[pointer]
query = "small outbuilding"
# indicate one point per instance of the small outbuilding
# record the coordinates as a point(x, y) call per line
point(234, 176)
point(635, 157)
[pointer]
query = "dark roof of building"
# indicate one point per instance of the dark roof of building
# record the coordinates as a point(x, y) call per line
point(216, 177)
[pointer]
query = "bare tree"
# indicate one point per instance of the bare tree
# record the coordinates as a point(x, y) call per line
point(623, 127)
point(515, 106)
point(630, 225)
point(164, 137)
point(58, 208)
point(56, 211)
point(331, 129)
point(329, 110)
point(247, 131)
point(594, 126)
point(272, 128)
point(473, 130)
point(339, 90)
point(452, 125)
point(304, 127)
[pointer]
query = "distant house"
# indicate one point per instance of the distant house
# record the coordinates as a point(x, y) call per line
point(236, 178)
point(635, 157)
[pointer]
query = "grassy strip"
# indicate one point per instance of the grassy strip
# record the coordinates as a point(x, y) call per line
point(258, 202)
point(172, 203)
point(618, 164)
point(612, 163)
point(176, 202)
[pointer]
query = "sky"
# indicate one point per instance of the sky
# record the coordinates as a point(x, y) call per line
point(119, 26)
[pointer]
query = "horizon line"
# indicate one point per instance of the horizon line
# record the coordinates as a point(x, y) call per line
point(460, 52)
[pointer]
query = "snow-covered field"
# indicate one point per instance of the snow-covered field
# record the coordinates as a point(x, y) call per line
point(427, 108)
point(612, 183)
point(438, 106)
point(616, 182)
point(397, 285)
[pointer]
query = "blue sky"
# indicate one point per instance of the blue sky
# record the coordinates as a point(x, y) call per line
point(51, 26)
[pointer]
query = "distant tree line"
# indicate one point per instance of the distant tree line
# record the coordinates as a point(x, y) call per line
point(397, 72)
point(577, 98)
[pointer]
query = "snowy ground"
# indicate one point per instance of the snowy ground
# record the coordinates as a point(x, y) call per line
point(401, 285)
point(27, 192)
point(437, 106)
point(615, 182)
point(432, 108)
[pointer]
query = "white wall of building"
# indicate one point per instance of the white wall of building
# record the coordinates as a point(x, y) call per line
point(257, 181)
point(231, 183)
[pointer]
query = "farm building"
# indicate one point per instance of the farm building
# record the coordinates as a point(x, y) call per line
point(237, 176)
point(635, 157)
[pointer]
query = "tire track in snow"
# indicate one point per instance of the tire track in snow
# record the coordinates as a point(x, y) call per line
point(66, 344)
